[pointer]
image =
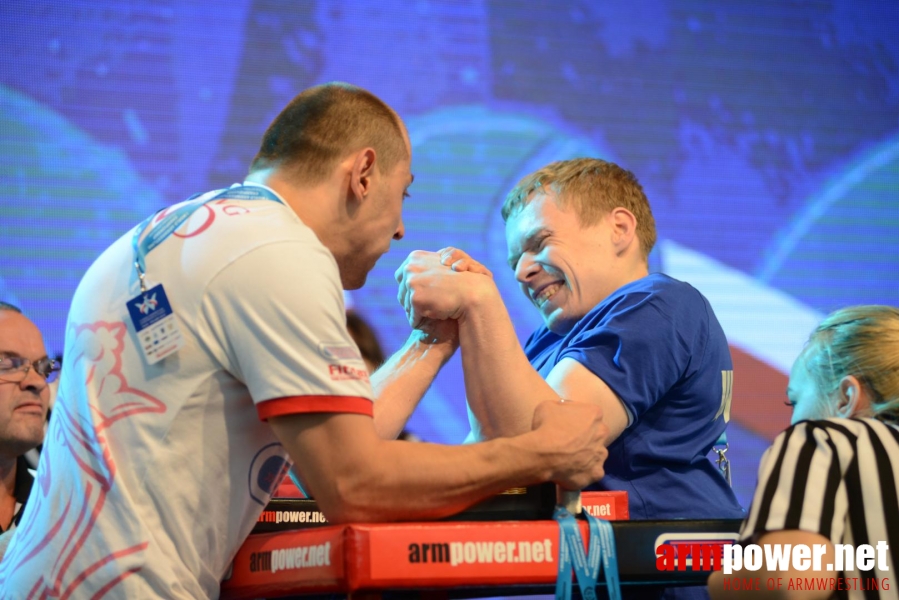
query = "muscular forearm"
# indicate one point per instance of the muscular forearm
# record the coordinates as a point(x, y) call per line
point(427, 481)
point(402, 381)
point(370, 479)
point(502, 388)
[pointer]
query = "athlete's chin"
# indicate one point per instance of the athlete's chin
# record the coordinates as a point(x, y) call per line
point(355, 281)
point(557, 321)
point(356, 277)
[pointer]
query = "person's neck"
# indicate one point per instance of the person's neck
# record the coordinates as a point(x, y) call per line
point(629, 272)
point(7, 491)
point(316, 205)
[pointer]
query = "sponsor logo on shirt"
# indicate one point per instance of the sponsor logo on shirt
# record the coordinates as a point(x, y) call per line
point(343, 372)
point(266, 471)
point(339, 351)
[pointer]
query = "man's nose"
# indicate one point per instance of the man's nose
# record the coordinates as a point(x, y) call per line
point(33, 380)
point(526, 268)
point(400, 231)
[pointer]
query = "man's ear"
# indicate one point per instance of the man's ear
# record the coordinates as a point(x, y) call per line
point(624, 228)
point(853, 398)
point(362, 172)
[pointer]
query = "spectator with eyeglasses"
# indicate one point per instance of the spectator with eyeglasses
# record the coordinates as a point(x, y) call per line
point(25, 372)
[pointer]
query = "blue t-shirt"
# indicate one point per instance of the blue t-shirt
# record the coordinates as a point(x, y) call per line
point(657, 344)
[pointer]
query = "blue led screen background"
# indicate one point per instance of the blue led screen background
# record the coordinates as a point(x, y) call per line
point(765, 133)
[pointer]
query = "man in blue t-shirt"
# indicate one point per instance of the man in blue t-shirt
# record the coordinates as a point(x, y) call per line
point(646, 348)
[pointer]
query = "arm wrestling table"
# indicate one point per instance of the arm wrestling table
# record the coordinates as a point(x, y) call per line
point(459, 559)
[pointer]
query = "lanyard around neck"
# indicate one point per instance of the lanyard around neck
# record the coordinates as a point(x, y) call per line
point(173, 220)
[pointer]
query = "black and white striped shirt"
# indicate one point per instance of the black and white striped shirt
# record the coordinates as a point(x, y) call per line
point(838, 478)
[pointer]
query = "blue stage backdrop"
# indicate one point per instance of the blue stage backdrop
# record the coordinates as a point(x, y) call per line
point(765, 133)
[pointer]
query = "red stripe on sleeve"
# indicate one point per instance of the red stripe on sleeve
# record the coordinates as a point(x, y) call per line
point(291, 405)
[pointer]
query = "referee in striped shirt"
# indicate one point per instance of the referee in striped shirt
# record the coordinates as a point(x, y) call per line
point(833, 476)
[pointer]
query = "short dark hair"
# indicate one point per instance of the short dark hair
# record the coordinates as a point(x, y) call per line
point(10, 307)
point(325, 123)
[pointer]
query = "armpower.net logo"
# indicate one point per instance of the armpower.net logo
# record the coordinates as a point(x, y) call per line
point(740, 564)
point(292, 516)
point(499, 551)
point(285, 559)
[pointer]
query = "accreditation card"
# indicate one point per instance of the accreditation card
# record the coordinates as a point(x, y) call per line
point(157, 330)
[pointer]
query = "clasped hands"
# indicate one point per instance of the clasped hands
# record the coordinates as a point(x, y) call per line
point(436, 287)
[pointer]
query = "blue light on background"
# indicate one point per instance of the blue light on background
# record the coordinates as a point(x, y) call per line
point(766, 136)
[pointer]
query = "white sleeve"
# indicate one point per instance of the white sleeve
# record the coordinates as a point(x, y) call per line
point(276, 319)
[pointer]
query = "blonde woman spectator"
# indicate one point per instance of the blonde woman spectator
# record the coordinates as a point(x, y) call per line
point(833, 476)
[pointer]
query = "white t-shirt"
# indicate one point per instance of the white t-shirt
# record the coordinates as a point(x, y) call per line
point(153, 475)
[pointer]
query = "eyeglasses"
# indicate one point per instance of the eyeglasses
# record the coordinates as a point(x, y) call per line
point(15, 368)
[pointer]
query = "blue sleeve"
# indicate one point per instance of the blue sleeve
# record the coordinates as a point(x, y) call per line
point(636, 345)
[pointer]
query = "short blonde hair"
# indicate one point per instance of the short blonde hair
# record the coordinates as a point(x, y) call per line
point(862, 341)
point(592, 188)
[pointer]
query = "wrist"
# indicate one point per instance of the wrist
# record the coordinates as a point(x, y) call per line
point(426, 345)
point(533, 448)
point(479, 297)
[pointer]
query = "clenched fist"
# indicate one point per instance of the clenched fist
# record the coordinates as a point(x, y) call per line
point(439, 285)
point(575, 441)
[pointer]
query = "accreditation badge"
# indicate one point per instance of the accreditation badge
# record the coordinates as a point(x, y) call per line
point(157, 330)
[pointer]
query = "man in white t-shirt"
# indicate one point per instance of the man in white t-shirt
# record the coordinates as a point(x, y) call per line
point(207, 348)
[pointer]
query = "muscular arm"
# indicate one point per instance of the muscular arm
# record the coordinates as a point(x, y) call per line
point(716, 582)
point(356, 475)
point(402, 381)
point(502, 387)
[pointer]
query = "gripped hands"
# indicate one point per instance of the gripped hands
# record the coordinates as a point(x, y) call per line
point(434, 286)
